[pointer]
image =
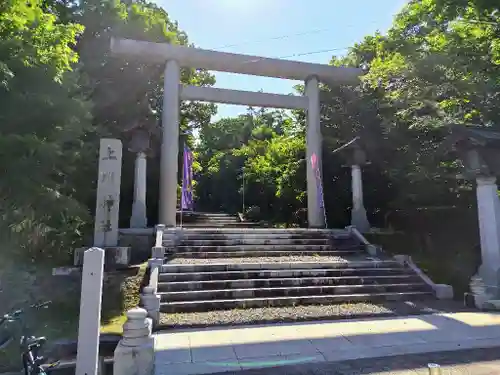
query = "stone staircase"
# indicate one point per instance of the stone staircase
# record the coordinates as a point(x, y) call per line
point(187, 288)
point(221, 268)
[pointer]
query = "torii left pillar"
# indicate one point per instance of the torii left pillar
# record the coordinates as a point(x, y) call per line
point(170, 145)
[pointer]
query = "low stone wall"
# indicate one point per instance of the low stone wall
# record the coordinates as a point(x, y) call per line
point(140, 243)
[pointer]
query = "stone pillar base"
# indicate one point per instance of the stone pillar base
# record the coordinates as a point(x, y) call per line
point(138, 218)
point(483, 292)
point(360, 220)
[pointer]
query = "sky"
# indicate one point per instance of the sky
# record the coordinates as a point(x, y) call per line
point(290, 29)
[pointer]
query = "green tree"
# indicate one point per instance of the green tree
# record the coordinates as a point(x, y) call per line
point(44, 123)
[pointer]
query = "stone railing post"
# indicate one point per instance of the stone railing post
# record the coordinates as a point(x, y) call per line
point(158, 251)
point(151, 302)
point(134, 354)
point(90, 312)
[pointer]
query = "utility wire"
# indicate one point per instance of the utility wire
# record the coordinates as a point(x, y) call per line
point(296, 55)
point(317, 31)
point(280, 37)
point(314, 52)
point(285, 36)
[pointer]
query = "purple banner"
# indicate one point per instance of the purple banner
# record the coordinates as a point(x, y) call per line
point(187, 181)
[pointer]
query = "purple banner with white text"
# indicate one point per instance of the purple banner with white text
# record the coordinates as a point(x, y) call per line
point(187, 181)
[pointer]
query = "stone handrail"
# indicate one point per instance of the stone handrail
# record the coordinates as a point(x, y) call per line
point(370, 248)
point(135, 351)
point(149, 296)
point(442, 291)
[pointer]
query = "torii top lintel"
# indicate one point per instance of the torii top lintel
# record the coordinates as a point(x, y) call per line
point(234, 63)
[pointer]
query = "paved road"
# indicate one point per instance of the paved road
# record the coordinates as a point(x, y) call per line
point(461, 362)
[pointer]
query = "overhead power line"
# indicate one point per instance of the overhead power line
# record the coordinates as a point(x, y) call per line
point(314, 52)
point(249, 61)
point(285, 36)
point(280, 37)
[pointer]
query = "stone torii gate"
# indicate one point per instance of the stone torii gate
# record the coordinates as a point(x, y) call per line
point(176, 57)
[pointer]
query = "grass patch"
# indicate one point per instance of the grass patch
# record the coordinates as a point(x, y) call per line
point(115, 325)
point(120, 294)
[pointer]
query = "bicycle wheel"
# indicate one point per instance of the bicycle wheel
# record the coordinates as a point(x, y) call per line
point(31, 368)
point(26, 364)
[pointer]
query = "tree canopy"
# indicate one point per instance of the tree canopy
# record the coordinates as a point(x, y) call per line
point(61, 90)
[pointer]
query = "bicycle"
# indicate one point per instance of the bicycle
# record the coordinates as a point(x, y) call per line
point(30, 345)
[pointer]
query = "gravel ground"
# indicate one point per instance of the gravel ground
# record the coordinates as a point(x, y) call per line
point(286, 259)
point(305, 313)
point(460, 362)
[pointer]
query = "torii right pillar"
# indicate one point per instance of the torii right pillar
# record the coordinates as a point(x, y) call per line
point(315, 206)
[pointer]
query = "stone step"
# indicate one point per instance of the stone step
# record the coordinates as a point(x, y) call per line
point(210, 216)
point(213, 267)
point(279, 230)
point(196, 213)
point(188, 233)
point(210, 219)
point(289, 291)
point(264, 241)
point(235, 248)
point(177, 286)
point(217, 224)
point(201, 254)
point(283, 273)
point(238, 239)
point(207, 305)
point(210, 224)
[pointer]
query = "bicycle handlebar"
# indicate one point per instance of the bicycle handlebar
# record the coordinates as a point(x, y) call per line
point(40, 305)
point(17, 313)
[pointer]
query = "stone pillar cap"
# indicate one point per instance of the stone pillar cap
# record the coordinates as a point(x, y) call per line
point(148, 290)
point(137, 313)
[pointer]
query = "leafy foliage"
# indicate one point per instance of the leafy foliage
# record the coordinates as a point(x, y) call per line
point(438, 64)
point(44, 119)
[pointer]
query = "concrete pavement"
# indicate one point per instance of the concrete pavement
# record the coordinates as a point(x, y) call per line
point(208, 351)
point(458, 362)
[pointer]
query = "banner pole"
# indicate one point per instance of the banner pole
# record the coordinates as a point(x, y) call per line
point(183, 179)
point(243, 190)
